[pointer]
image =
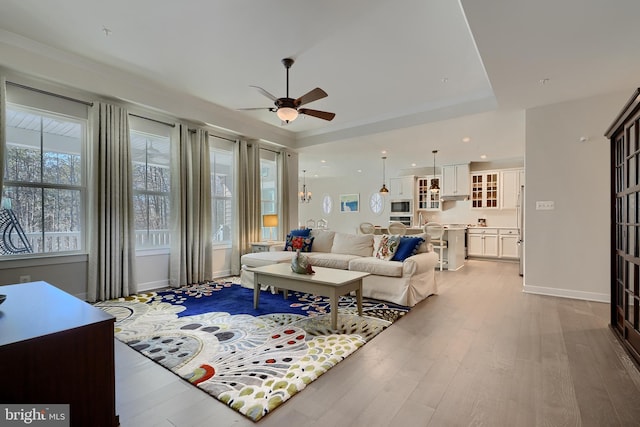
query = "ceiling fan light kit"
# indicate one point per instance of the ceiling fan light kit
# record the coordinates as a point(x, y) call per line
point(287, 109)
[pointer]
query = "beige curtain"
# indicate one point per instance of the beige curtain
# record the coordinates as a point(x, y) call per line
point(191, 243)
point(283, 191)
point(110, 215)
point(3, 127)
point(247, 222)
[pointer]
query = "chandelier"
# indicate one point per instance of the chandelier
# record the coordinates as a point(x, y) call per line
point(435, 188)
point(305, 196)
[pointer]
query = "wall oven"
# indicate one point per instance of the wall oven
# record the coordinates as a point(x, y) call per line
point(401, 207)
point(405, 219)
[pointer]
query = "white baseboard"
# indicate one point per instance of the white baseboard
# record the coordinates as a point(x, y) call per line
point(150, 286)
point(567, 293)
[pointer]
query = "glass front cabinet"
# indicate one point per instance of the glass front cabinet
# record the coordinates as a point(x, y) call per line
point(484, 190)
point(426, 199)
point(624, 135)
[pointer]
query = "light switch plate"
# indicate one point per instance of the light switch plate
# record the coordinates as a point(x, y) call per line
point(544, 205)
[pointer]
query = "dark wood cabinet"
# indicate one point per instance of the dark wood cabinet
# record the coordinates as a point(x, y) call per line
point(624, 135)
point(57, 349)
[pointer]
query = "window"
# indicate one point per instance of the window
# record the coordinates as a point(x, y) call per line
point(151, 156)
point(268, 188)
point(221, 153)
point(44, 176)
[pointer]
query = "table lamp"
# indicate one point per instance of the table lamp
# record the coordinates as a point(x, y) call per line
point(271, 221)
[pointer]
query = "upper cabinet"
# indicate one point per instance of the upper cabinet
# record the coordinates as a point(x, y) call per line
point(455, 180)
point(484, 190)
point(496, 189)
point(426, 199)
point(402, 186)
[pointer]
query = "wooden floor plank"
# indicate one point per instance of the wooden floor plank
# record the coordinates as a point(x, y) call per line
point(481, 352)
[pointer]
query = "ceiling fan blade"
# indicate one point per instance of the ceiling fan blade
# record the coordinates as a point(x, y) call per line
point(257, 108)
point(265, 93)
point(312, 95)
point(319, 114)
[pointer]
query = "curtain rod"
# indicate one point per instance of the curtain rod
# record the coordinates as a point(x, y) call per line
point(153, 120)
point(33, 89)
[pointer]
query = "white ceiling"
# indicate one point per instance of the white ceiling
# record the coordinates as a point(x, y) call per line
point(395, 72)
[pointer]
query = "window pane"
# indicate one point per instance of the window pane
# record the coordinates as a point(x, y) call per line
point(221, 194)
point(62, 212)
point(44, 177)
point(151, 155)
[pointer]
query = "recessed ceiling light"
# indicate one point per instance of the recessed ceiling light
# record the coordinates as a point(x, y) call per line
point(466, 139)
point(413, 165)
point(323, 161)
point(445, 80)
point(359, 170)
point(484, 156)
point(384, 152)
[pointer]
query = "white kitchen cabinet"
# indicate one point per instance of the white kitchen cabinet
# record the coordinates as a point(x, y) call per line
point(483, 242)
point(426, 199)
point(455, 180)
point(510, 188)
point(402, 186)
point(508, 243)
point(484, 190)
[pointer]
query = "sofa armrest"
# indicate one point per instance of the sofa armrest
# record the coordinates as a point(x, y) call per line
point(275, 248)
point(419, 263)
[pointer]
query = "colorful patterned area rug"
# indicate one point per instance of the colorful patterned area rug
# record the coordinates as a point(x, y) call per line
point(252, 360)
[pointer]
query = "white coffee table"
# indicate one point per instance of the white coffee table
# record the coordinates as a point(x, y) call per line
point(328, 282)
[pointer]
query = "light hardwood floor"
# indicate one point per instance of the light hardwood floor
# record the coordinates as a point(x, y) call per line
point(480, 353)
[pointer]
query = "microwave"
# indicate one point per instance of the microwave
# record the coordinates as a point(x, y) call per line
point(402, 207)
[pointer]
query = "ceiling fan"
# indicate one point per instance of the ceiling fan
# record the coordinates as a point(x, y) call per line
point(287, 108)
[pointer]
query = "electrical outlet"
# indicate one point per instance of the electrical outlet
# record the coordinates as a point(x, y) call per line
point(25, 279)
point(545, 205)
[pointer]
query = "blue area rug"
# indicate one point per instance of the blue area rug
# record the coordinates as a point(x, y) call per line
point(252, 360)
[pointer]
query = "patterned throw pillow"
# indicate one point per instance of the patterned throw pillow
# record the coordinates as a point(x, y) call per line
point(298, 242)
point(408, 246)
point(302, 232)
point(388, 246)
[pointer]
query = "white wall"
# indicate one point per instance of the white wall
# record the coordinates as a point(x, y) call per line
point(567, 249)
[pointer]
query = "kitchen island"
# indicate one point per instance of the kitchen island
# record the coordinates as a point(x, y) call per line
point(455, 253)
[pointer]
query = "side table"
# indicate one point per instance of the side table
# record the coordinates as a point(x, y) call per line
point(265, 246)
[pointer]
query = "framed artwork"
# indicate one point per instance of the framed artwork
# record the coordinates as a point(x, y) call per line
point(349, 202)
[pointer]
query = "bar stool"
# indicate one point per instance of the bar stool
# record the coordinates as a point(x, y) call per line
point(436, 232)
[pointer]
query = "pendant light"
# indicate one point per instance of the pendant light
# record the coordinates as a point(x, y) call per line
point(384, 190)
point(305, 196)
point(434, 188)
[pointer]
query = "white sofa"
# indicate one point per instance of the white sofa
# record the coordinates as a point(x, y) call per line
point(402, 282)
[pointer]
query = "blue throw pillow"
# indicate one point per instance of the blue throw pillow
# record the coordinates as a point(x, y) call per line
point(298, 242)
point(304, 232)
point(408, 246)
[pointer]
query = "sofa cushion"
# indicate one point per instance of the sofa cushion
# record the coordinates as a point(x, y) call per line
point(376, 266)
point(331, 260)
point(408, 246)
point(265, 258)
point(387, 247)
point(322, 240)
point(353, 244)
point(298, 242)
point(424, 246)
